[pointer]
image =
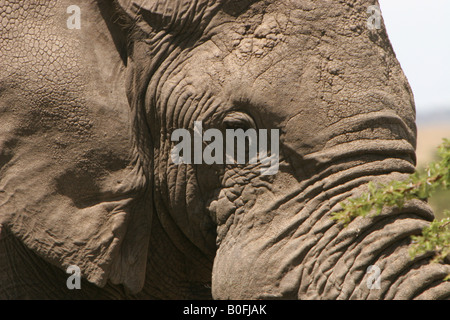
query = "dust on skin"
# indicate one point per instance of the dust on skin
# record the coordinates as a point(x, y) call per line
point(260, 42)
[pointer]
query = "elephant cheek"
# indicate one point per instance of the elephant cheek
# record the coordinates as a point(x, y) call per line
point(231, 273)
point(251, 267)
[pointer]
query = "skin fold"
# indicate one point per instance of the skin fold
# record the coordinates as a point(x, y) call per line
point(86, 176)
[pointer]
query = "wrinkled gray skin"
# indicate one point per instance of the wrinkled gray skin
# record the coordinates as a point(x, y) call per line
point(86, 177)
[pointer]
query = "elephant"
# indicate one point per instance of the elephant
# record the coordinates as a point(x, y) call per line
point(90, 95)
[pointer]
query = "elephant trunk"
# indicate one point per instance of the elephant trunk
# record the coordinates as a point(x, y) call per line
point(297, 251)
point(369, 259)
point(313, 257)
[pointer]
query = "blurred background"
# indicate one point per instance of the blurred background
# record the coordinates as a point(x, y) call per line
point(419, 31)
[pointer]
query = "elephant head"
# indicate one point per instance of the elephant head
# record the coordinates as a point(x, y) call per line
point(83, 185)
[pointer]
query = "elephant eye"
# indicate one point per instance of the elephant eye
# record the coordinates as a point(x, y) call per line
point(239, 120)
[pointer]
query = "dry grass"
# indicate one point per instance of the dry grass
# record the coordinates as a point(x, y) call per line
point(429, 138)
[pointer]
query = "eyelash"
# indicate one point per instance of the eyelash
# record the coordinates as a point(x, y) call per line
point(236, 125)
point(239, 121)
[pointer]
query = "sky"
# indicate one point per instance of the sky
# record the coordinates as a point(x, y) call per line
point(419, 31)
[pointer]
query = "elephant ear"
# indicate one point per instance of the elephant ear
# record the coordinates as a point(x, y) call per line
point(70, 187)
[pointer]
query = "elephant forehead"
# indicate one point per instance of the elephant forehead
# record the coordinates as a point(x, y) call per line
point(258, 42)
point(325, 53)
point(270, 32)
point(266, 24)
